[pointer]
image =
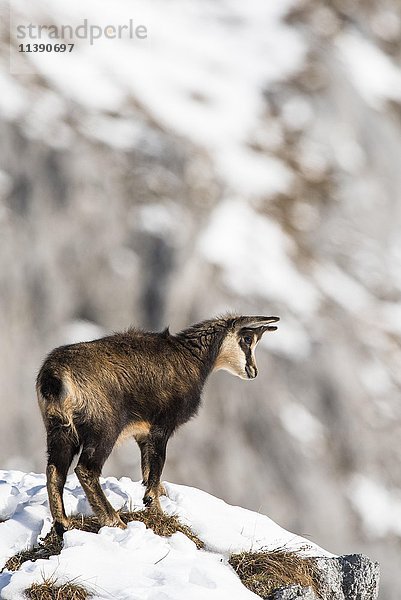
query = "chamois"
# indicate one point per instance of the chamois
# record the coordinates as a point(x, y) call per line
point(134, 383)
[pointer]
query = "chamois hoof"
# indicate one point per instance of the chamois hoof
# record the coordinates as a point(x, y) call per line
point(121, 524)
point(147, 500)
point(114, 521)
point(60, 528)
point(162, 490)
point(152, 503)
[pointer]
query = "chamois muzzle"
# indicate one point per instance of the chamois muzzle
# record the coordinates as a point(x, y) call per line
point(251, 371)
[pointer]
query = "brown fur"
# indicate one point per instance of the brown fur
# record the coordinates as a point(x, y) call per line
point(138, 430)
point(95, 394)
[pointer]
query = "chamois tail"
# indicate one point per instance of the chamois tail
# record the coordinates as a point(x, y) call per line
point(56, 403)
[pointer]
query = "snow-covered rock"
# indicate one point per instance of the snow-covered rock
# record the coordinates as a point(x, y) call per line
point(137, 563)
point(248, 159)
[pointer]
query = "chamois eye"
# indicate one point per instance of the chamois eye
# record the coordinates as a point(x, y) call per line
point(248, 340)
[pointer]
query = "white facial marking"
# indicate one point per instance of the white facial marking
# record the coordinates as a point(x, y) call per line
point(231, 357)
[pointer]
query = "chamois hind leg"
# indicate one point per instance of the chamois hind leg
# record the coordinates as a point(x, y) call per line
point(93, 456)
point(157, 443)
point(143, 443)
point(62, 446)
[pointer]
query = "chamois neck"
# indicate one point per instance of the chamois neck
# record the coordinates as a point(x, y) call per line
point(203, 342)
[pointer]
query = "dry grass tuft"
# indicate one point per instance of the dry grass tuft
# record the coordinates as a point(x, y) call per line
point(162, 524)
point(49, 590)
point(159, 522)
point(48, 546)
point(263, 572)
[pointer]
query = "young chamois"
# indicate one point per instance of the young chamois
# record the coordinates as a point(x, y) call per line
point(136, 384)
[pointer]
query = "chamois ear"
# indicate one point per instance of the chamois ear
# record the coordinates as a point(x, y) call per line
point(259, 324)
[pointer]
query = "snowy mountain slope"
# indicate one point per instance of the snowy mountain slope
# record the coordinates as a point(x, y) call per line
point(136, 563)
point(119, 191)
point(199, 74)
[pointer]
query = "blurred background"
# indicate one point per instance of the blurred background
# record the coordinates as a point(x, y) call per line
point(245, 157)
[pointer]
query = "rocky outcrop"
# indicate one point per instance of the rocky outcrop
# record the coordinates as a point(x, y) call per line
point(349, 577)
point(209, 543)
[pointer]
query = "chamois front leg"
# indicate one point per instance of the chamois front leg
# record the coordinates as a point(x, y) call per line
point(156, 449)
point(143, 443)
point(143, 446)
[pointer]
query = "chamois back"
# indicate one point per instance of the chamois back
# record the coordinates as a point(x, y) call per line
point(135, 383)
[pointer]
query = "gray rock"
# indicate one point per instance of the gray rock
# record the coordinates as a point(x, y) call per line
point(350, 577)
point(360, 577)
point(293, 592)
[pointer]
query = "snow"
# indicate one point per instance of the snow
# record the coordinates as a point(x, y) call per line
point(373, 73)
point(297, 113)
point(252, 173)
point(376, 379)
point(158, 218)
point(81, 75)
point(378, 507)
point(255, 255)
point(194, 73)
point(117, 132)
point(80, 330)
point(12, 102)
point(342, 288)
point(135, 563)
point(390, 315)
point(301, 424)
point(294, 341)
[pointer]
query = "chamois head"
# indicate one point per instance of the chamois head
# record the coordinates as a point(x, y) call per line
point(237, 352)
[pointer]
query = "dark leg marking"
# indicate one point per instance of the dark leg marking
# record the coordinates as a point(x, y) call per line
point(89, 467)
point(62, 446)
point(143, 446)
point(157, 444)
